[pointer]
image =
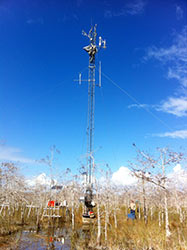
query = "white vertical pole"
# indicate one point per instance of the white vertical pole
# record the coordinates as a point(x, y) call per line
point(100, 74)
point(79, 78)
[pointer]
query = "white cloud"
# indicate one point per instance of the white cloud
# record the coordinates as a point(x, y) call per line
point(123, 176)
point(182, 134)
point(174, 105)
point(178, 177)
point(35, 21)
point(13, 154)
point(138, 106)
point(108, 14)
point(135, 7)
point(174, 57)
point(177, 168)
point(179, 12)
point(41, 179)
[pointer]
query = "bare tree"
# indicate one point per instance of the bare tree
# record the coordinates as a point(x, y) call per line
point(12, 186)
point(157, 172)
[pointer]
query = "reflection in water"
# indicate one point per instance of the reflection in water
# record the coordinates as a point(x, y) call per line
point(54, 238)
point(49, 239)
point(86, 234)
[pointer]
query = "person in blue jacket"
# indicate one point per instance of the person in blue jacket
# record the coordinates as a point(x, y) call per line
point(132, 214)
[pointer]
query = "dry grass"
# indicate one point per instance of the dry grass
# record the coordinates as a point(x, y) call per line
point(135, 235)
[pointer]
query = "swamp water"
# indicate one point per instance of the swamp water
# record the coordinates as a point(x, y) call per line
point(49, 238)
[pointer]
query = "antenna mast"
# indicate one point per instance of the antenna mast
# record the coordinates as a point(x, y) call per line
point(91, 49)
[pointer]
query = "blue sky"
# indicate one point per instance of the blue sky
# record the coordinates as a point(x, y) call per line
point(143, 98)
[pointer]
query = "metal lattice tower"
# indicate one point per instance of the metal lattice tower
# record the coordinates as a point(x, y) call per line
point(91, 49)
